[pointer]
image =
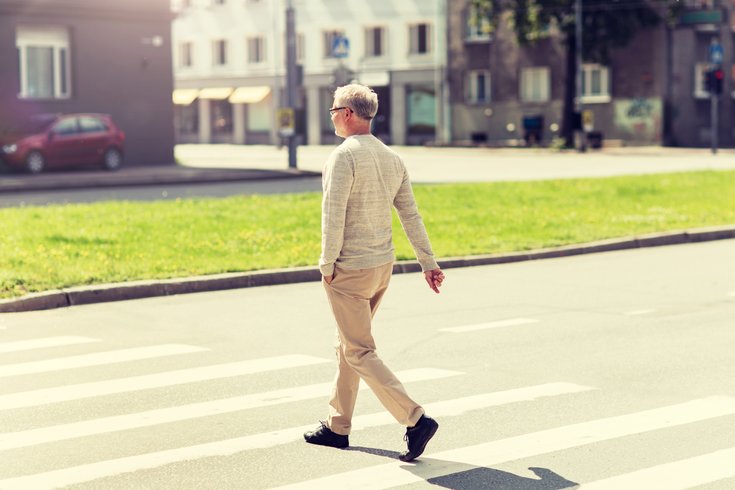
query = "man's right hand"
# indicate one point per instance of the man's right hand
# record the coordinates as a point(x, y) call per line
point(434, 279)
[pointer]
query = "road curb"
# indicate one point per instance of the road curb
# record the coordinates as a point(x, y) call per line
point(146, 289)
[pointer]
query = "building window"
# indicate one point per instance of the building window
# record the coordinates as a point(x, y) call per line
point(595, 83)
point(535, 83)
point(700, 72)
point(477, 25)
point(219, 52)
point(477, 87)
point(374, 42)
point(419, 39)
point(421, 109)
point(329, 39)
point(256, 49)
point(186, 54)
point(44, 62)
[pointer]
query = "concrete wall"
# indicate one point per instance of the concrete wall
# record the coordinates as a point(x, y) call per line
point(115, 67)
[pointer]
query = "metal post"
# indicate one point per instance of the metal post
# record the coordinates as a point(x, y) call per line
point(578, 92)
point(291, 76)
point(713, 120)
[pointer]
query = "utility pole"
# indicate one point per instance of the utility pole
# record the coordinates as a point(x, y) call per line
point(715, 76)
point(578, 99)
point(291, 78)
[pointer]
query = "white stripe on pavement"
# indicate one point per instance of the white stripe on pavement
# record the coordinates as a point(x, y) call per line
point(493, 453)
point(486, 326)
point(149, 381)
point(22, 345)
point(14, 440)
point(102, 469)
point(678, 475)
point(97, 359)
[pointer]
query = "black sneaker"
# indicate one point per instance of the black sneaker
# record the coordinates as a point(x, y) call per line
point(323, 436)
point(418, 437)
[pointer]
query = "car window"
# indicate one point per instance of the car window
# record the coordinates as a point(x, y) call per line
point(91, 125)
point(66, 126)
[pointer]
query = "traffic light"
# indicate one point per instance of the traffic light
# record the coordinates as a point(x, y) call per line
point(716, 84)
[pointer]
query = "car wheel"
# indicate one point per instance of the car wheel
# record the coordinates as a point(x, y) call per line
point(35, 162)
point(112, 159)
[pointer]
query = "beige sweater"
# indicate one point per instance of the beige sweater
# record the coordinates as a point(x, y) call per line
point(362, 180)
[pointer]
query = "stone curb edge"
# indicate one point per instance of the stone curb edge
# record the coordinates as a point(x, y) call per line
point(146, 289)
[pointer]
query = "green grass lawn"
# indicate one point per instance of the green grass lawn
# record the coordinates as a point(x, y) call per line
point(51, 247)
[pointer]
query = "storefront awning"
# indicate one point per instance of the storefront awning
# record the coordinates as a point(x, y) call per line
point(185, 96)
point(374, 78)
point(215, 93)
point(249, 95)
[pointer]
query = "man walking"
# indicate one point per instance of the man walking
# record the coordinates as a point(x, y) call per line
point(363, 180)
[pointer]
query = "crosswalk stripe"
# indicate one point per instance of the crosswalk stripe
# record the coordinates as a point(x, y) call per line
point(23, 345)
point(148, 381)
point(97, 359)
point(14, 440)
point(678, 475)
point(102, 469)
point(486, 326)
point(493, 453)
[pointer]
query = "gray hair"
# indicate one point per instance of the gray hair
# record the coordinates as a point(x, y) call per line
point(360, 98)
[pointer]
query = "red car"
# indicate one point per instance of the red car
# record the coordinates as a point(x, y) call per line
point(62, 141)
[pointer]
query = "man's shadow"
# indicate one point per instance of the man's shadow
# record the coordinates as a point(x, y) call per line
point(473, 477)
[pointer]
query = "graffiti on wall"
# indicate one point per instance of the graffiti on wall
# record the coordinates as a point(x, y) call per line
point(639, 119)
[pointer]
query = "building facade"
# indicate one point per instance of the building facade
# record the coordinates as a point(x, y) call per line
point(229, 59)
point(651, 92)
point(102, 56)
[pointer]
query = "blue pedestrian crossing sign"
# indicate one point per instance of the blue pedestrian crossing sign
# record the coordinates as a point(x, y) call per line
point(340, 47)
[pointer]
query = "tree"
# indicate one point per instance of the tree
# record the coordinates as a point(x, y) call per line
point(606, 24)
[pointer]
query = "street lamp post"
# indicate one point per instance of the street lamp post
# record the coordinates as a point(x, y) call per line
point(579, 107)
point(291, 77)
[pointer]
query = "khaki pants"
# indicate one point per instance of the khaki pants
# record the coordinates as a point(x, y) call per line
point(354, 296)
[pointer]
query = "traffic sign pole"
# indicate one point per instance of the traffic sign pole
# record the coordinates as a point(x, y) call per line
point(291, 77)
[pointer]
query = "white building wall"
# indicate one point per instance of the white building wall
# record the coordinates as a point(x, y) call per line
point(236, 20)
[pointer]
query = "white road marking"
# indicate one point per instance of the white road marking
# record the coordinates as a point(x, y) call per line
point(486, 326)
point(148, 381)
point(102, 469)
point(23, 345)
point(731, 293)
point(678, 475)
point(97, 359)
point(493, 453)
point(13, 440)
point(638, 312)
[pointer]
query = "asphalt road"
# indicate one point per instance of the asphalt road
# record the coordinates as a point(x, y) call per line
point(425, 165)
point(614, 370)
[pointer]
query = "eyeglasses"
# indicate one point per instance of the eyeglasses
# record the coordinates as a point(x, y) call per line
point(335, 109)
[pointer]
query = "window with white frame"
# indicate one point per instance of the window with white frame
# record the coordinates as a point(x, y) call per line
point(375, 42)
point(477, 25)
point(477, 87)
point(595, 83)
point(700, 70)
point(419, 38)
point(256, 50)
point(219, 52)
point(186, 54)
point(535, 84)
point(44, 62)
point(329, 39)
